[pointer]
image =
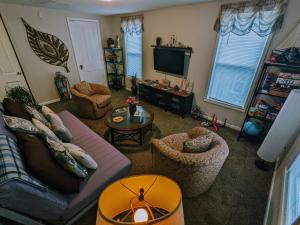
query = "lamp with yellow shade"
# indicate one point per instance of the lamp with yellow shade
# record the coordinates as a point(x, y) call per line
point(142, 199)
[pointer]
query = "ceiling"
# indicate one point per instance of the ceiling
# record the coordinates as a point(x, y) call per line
point(104, 7)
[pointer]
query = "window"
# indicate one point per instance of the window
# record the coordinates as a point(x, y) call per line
point(133, 51)
point(293, 192)
point(236, 62)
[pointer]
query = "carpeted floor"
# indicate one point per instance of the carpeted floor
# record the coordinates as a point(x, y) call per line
point(239, 194)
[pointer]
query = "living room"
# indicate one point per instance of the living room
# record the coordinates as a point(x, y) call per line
point(150, 112)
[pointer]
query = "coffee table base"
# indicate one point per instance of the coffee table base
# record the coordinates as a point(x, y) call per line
point(132, 135)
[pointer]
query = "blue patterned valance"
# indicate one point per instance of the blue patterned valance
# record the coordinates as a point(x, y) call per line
point(263, 17)
point(132, 24)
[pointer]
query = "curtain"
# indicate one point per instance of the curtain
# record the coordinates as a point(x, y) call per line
point(132, 24)
point(261, 16)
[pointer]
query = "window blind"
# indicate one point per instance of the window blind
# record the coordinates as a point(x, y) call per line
point(133, 51)
point(293, 186)
point(236, 62)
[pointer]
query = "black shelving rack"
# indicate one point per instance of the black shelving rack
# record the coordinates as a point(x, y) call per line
point(114, 63)
point(258, 92)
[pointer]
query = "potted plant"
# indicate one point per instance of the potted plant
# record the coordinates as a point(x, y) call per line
point(134, 85)
point(132, 102)
point(23, 96)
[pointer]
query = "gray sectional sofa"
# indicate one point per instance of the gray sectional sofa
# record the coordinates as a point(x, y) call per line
point(25, 204)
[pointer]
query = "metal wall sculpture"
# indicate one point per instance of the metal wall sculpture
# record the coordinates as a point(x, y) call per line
point(47, 47)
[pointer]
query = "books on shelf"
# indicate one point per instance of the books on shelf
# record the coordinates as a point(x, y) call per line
point(279, 91)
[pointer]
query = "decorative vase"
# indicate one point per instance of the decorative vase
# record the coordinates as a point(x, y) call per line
point(158, 41)
point(132, 109)
point(134, 90)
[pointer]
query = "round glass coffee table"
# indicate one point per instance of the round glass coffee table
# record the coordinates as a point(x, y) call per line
point(132, 128)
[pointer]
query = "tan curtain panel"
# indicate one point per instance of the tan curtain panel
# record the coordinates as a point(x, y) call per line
point(263, 17)
point(132, 24)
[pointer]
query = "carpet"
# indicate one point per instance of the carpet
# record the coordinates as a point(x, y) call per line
point(237, 197)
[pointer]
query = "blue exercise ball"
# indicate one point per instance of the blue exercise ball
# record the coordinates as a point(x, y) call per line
point(253, 128)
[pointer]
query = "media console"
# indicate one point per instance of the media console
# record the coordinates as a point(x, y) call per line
point(179, 102)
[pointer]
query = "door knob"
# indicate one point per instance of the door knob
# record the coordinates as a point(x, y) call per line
point(81, 67)
point(19, 73)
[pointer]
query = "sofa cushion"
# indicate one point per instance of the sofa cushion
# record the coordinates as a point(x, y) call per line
point(41, 164)
point(81, 156)
point(44, 131)
point(84, 88)
point(46, 111)
point(112, 164)
point(4, 129)
point(13, 108)
point(34, 113)
point(59, 128)
point(101, 100)
point(23, 198)
point(20, 125)
point(65, 160)
point(198, 144)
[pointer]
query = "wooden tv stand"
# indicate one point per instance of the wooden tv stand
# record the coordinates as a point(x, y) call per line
point(179, 102)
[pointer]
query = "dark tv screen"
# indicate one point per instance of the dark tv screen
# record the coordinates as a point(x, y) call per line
point(169, 61)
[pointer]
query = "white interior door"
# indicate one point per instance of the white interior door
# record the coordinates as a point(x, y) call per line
point(86, 40)
point(10, 70)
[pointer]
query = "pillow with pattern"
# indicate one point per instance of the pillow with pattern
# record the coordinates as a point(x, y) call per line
point(37, 115)
point(81, 156)
point(63, 158)
point(20, 125)
point(59, 128)
point(46, 111)
point(198, 144)
point(44, 130)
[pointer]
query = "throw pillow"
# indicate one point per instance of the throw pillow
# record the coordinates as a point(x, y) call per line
point(44, 130)
point(41, 164)
point(81, 156)
point(198, 145)
point(15, 109)
point(37, 115)
point(20, 125)
point(64, 159)
point(46, 111)
point(12, 165)
point(84, 88)
point(59, 128)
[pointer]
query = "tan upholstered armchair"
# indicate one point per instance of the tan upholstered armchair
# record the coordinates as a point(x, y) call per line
point(194, 172)
point(92, 100)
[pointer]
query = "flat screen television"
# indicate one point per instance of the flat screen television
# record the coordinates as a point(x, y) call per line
point(172, 60)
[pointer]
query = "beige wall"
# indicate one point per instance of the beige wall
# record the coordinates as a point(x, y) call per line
point(193, 26)
point(39, 73)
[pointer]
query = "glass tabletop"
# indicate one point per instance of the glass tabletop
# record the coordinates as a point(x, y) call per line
point(142, 118)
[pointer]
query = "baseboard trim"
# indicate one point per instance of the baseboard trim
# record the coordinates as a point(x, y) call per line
point(50, 102)
point(234, 127)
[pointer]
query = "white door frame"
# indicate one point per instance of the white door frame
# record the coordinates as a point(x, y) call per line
point(69, 19)
point(17, 57)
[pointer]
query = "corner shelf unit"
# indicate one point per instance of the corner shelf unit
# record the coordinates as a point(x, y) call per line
point(114, 63)
point(275, 82)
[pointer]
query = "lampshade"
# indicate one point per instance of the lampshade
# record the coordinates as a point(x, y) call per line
point(161, 193)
